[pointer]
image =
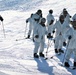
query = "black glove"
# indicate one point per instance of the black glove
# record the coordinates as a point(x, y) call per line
point(64, 43)
point(1, 18)
point(69, 37)
point(53, 31)
point(49, 35)
point(26, 21)
point(51, 22)
point(70, 16)
point(37, 20)
point(36, 36)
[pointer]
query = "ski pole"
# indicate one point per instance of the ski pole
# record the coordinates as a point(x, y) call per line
point(49, 43)
point(24, 34)
point(25, 30)
point(48, 48)
point(3, 29)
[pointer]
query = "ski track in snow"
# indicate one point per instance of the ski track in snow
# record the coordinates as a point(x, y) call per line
point(16, 57)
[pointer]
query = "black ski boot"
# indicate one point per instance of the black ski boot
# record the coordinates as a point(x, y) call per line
point(35, 55)
point(61, 51)
point(41, 54)
point(66, 64)
point(28, 37)
point(64, 43)
point(74, 64)
point(56, 51)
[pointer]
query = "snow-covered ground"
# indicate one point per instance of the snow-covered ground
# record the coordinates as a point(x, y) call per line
point(16, 57)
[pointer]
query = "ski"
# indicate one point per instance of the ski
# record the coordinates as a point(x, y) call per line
point(53, 56)
point(22, 39)
point(71, 67)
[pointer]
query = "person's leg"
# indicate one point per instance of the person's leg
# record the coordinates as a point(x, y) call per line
point(74, 64)
point(67, 57)
point(60, 45)
point(41, 48)
point(56, 44)
point(36, 49)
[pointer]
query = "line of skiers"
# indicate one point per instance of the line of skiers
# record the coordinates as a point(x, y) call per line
point(64, 30)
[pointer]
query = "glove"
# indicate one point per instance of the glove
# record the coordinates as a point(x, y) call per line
point(37, 20)
point(70, 16)
point(49, 36)
point(69, 37)
point(64, 43)
point(26, 21)
point(51, 22)
point(36, 36)
point(1, 18)
point(53, 32)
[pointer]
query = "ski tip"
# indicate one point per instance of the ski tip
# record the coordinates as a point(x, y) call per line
point(51, 57)
point(46, 58)
point(16, 40)
point(73, 68)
